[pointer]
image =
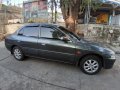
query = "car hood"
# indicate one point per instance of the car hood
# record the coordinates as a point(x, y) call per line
point(91, 46)
point(92, 43)
point(94, 47)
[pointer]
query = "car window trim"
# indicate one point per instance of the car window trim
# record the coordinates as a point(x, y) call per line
point(47, 37)
point(64, 34)
point(53, 29)
point(29, 36)
point(20, 31)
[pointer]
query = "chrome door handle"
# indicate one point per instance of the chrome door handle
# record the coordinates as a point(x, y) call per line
point(18, 41)
point(43, 44)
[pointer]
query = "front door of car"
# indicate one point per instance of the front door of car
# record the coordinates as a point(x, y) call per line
point(52, 46)
point(27, 38)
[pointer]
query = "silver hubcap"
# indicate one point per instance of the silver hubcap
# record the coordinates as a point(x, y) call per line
point(91, 66)
point(17, 53)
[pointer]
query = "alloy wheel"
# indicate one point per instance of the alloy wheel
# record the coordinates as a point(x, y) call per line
point(17, 53)
point(91, 66)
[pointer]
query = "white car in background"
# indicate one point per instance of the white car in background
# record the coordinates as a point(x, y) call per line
point(15, 21)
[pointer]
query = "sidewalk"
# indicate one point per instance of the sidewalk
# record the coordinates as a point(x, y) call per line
point(4, 53)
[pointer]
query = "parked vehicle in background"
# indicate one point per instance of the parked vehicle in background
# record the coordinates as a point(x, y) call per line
point(55, 42)
point(15, 21)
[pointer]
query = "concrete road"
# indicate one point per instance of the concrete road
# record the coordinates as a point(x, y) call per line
point(38, 74)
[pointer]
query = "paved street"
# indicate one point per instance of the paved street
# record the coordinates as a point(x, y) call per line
point(37, 74)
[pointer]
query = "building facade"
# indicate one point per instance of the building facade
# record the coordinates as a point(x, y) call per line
point(35, 11)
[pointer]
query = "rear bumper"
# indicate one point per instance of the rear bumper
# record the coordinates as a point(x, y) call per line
point(108, 63)
point(8, 46)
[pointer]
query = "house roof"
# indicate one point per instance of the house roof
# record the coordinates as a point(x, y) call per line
point(112, 2)
point(41, 24)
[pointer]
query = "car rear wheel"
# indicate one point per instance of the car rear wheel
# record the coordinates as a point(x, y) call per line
point(18, 54)
point(91, 65)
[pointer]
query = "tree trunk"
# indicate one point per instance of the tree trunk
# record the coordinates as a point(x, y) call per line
point(70, 14)
point(55, 3)
point(52, 7)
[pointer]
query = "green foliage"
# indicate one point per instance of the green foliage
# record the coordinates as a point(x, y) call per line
point(66, 3)
point(94, 4)
point(3, 6)
point(30, 21)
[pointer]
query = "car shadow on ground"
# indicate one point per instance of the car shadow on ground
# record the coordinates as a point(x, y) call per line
point(62, 74)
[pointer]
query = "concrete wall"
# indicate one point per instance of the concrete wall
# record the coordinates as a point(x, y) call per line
point(12, 28)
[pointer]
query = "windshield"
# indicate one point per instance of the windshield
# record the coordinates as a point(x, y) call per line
point(71, 34)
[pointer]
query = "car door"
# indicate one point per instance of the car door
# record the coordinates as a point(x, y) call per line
point(52, 47)
point(27, 40)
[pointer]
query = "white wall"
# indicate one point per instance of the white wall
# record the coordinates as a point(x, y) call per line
point(115, 20)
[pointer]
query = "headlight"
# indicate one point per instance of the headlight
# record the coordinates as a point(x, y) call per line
point(111, 52)
point(113, 57)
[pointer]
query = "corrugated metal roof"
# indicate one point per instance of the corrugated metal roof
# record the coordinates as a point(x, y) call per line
point(115, 2)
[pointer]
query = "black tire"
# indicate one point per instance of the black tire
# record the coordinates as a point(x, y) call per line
point(21, 55)
point(91, 69)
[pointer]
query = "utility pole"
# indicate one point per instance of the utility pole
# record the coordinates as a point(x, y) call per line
point(5, 12)
point(55, 3)
point(1, 1)
point(52, 7)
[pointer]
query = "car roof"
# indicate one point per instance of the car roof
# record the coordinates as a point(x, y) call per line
point(38, 24)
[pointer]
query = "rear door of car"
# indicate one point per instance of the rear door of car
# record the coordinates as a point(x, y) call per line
point(27, 39)
point(52, 47)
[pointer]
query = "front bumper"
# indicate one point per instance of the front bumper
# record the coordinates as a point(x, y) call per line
point(108, 63)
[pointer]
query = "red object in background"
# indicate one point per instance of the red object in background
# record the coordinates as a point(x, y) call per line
point(1, 1)
point(27, 6)
point(43, 4)
point(34, 6)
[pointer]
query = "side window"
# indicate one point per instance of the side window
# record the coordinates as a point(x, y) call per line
point(31, 31)
point(48, 32)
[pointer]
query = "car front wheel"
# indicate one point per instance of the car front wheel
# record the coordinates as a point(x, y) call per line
point(18, 54)
point(91, 65)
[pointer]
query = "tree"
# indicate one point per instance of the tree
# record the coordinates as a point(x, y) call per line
point(72, 8)
point(53, 4)
point(70, 11)
point(88, 5)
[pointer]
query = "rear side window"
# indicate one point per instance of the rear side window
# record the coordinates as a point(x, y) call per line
point(21, 32)
point(30, 31)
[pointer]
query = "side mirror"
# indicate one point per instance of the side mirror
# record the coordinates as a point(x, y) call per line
point(66, 39)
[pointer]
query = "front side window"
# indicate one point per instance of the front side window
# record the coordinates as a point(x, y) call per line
point(30, 31)
point(48, 32)
point(72, 35)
